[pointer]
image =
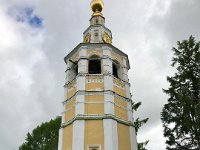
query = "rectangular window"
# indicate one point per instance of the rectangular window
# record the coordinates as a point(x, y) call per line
point(94, 147)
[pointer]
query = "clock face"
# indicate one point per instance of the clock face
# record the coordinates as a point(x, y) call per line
point(106, 38)
point(87, 38)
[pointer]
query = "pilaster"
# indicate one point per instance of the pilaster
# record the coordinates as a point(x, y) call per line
point(83, 62)
point(78, 135)
point(125, 70)
point(60, 140)
point(110, 134)
point(133, 138)
point(108, 81)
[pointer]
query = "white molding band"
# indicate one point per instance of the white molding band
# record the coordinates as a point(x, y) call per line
point(88, 93)
point(97, 117)
point(78, 135)
point(133, 138)
point(109, 109)
point(110, 134)
point(60, 140)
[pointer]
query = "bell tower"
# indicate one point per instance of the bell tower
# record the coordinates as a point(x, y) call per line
point(97, 112)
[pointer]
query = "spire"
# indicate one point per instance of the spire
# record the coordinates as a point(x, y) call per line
point(97, 32)
point(97, 7)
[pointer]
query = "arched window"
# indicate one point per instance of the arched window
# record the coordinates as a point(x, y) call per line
point(94, 65)
point(115, 69)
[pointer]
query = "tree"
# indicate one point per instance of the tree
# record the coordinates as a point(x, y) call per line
point(44, 137)
point(181, 115)
point(138, 123)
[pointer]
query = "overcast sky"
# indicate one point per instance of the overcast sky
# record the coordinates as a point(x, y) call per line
point(35, 36)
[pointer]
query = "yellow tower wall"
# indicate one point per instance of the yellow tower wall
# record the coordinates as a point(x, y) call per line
point(119, 91)
point(71, 92)
point(120, 109)
point(123, 137)
point(94, 104)
point(94, 133)
point(70, 107)
point(67, 137)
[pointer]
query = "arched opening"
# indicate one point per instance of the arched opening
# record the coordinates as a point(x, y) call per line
point(73, 71)
point(76, 68)
point(94, 65)
point(115, 67)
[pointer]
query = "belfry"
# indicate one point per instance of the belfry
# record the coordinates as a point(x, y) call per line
point(97, 107)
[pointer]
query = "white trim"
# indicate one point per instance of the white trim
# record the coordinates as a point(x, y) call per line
point(125, 73)
point(130, 113)
point(107, 62)
point(83, 51)
point(80, 83)
point(124, 61)
point(109, 104)
point(133, 138)
point(78, 135)
point(60, 140)
point(110, 134)
point(63, 114)
point(83, 66)
point(108, 82)
point(128, 93)
point(79, 105)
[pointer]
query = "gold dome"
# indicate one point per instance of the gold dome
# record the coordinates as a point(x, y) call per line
point(97, 5)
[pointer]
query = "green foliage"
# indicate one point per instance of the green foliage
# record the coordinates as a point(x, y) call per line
point(142, 146)
point(181, 115)
point(138, 123)
point(44, 137)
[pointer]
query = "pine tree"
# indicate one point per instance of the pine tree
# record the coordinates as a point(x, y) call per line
point(181, 115)
point(138, 123)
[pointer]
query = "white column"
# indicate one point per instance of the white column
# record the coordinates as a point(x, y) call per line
point(78, 135)
point(108, 81)
point(125, 70)
point(80, 99)
point(63, 113)
point(133, 138)
point(110, 134)
point(64, 104)
point(130, 112)
point(67, 72)
point(83, 62)
point(60, 140)
point(107, 62)
point(80, 109)
point(109, 104)
point(81, 79)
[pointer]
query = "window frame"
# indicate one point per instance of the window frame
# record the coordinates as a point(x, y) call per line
point(93, 58)
point(98, 146)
